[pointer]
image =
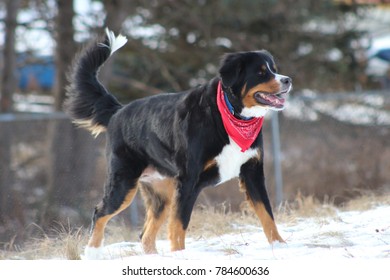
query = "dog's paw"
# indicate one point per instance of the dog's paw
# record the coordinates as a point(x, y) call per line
point(92, 253)
point(279, 245)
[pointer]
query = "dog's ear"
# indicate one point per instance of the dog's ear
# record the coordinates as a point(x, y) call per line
point(231, 66)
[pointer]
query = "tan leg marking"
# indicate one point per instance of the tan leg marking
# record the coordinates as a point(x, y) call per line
point(151, 228)
point(165, 188)
point(268, 224)
point(97, 236)
point(176, 232)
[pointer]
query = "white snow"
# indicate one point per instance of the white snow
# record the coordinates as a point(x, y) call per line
point(359, 114)
point(364, 109)
point(344, 235)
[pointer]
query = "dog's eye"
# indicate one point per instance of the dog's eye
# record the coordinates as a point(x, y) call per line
point(262, 73)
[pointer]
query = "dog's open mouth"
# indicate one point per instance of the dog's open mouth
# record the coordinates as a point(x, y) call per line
point(273, 100)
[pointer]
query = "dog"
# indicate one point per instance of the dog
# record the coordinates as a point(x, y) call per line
point(173, 145)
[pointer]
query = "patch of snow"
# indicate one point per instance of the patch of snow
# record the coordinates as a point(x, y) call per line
point(360, 114)
point(377, 67)
point(33, 103)
point(374, 100)
point(353, 234)
point(309, 93)
point(296, 109)
point(366, 109)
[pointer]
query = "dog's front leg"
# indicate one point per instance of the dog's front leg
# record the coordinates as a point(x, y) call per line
point(253, 184)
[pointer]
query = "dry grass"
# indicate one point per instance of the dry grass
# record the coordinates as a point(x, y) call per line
point(66, 243)
point(320, 240)
point(368, 200)
point(306, 207)
point(210, 222)
point(62, 243)
point(118, 231)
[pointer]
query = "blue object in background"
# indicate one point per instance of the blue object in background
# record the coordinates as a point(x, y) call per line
point(383, 54)
point(36, 73)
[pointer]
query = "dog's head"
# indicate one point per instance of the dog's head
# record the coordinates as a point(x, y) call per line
point(252, 84)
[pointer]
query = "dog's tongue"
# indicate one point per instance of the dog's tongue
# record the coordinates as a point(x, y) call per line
point(273, 100)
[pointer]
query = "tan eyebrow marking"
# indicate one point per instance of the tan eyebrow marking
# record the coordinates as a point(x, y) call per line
point(263, 69)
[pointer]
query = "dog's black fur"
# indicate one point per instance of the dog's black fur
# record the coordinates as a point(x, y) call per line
point(174, 135)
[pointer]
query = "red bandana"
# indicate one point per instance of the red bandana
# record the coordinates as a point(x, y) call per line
point(243, 132)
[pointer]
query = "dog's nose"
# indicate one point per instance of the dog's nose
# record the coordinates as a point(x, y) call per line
point(286, 81)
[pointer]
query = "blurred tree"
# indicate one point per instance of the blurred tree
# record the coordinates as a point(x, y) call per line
point(72, 155)
point(65, 48)
point(8, 88)
point(9, 82)
point(116, 13)
point(177, 44)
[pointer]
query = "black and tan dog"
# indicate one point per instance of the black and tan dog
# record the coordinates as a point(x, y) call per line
point(171, 146)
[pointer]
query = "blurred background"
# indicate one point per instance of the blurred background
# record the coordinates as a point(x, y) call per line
point(334, 135)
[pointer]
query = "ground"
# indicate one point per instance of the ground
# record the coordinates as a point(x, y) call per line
point(328, 233)
point(313, 230)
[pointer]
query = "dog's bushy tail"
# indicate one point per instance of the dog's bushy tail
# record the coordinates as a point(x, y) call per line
point(88, 102)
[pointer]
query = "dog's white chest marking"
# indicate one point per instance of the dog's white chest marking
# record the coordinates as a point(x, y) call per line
point(231, 158)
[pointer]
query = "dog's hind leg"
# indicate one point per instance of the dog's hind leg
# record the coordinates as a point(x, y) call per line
point(158, 197)
point(120, 189)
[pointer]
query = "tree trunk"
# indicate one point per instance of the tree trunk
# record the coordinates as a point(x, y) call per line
point(116, 13)
point(9, 81)
point(6, 179)
point(72, 152)
point(65, 49)
point(7, 89)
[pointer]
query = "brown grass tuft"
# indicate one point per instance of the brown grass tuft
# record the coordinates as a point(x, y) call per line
point(368, 200)
point(305, 207)
point(70, 242)
point(215, 221)
point(63, 243)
